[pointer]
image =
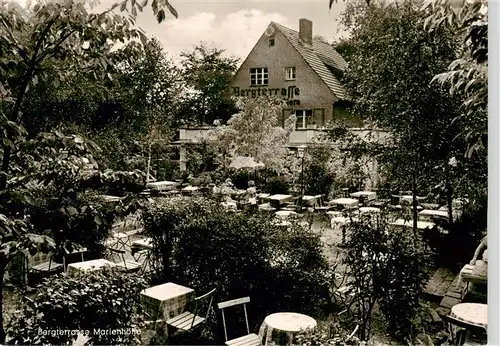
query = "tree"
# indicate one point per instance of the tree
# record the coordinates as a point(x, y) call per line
point(389, 73)
point(336, 1)
point(255, 131)
point(150, 87)
point(31, 39)
point(207, 74)
point(467, 76)
point(345, 48)
point(317, 178)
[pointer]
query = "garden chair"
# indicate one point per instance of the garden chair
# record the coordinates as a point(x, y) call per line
point(118, 240)
point(123, 264)
point(462, 333)
point(345, 192)
point(46, 268)
point(251, 339)
point(321, 206)
point(141, 251)
point(68, 256)
point(189, 320)
point(293, 205)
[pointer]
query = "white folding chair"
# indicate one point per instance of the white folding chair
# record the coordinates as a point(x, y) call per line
point(251, 339)
point(188, 320)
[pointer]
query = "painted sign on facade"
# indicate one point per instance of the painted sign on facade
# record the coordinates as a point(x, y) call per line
point(288, 94)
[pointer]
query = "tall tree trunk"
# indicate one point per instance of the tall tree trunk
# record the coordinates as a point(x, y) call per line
point(14, 116)
point(414, 202)
point(3, 266)
point(148, 168)
point(449, 202)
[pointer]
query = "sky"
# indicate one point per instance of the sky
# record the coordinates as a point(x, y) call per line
point(233, 25)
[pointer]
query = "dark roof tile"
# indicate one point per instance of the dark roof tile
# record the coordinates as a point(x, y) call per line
point(322, 58)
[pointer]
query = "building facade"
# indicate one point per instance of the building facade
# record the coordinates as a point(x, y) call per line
point(299, 68)
point(305, 72)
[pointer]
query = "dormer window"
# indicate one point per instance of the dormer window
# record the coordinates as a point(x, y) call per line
point(271, 42)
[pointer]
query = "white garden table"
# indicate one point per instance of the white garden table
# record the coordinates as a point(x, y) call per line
point(162, 185)
point(471, 313)
point(279, 199)
point(288, 323)
point(409, 198)
point(369, 210)
point(309, 200)
point(166, 301)
point(334, 213)
point(370, 195)
point(285, 214)
point(189, 190)
point(421, 225)
point(345, 202)
point(78, 268)
point(338, 221)
point(108, 198)
point(146, 243)
point(443, 214)
point(230, 205)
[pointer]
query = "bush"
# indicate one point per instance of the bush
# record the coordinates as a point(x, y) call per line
point(457, 247)
point(202, 246)
point(85, 220)
point(203, 179)
point(240, 179)
point(201, 158)
point(388, 267)
point(277, 185)
point(105, 301)
point(404, 278)
point(326, 335)
point(317, 177)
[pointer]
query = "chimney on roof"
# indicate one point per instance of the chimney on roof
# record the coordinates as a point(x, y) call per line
point(305, 31)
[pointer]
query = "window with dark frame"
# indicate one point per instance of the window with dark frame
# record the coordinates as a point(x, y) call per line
point(259, 76)
point(271, 42)
point(304, 118)
point(290, 73)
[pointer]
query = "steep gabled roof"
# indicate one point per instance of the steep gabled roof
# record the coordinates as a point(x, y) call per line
point(321, 57)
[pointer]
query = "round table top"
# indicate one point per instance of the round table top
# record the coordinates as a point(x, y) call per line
point(290, 321)
point(369, 210)
point(472, 313)
point(285, 213)
point(340, 219)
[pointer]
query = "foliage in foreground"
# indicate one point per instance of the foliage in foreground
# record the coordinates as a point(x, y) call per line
point(387, 267)
point(200, 245)
point(326, 335)
point(40, 42)
point(96, 301)
point(467, 76)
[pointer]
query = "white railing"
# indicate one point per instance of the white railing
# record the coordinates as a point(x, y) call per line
point(297, 137)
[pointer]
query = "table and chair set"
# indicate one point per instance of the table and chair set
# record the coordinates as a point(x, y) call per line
point(468, 324)
point(174, 309)
point(117, 247)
